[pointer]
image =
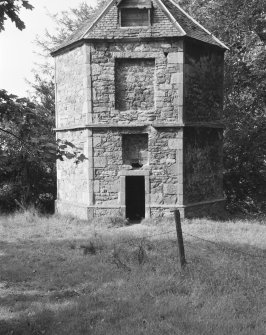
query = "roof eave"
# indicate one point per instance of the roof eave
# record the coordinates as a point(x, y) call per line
point(223, 46)
point(72, 45)
point(80, 42)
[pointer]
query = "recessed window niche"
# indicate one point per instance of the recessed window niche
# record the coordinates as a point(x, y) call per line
point(134, 84)
point(135, 13)
point(135, 149)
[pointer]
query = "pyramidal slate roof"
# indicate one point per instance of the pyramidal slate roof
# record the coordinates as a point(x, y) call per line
point(185, 26)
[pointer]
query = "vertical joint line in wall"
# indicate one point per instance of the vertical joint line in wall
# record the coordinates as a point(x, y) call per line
point(56, 123)
point(155, 85)
point(183, 82)
point(180, 162)
point(90, 167)
point(55, 93)
point(90, 89)
point(87, 83)
point(56, 166)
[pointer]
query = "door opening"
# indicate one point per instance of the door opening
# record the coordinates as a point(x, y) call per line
point(135, 198)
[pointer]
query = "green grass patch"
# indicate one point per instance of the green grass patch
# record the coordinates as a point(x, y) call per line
point(59, 275)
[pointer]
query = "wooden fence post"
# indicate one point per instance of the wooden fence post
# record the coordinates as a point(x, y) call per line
point(181, 250)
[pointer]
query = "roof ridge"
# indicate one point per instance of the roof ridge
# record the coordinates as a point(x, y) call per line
point(198, 24)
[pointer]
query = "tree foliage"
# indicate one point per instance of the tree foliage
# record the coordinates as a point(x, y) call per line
point(11, 9)
point(68, 22)
point(28, 149)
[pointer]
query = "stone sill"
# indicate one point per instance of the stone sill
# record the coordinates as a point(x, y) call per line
point(155, 125)
point(176, 206)
point(101, 125)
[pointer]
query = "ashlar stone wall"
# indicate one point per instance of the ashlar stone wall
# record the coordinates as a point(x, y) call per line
point(72, 178)
point(203, 164)
point(69, 88)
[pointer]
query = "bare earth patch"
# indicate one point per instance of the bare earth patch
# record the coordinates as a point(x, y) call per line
point(59, 275)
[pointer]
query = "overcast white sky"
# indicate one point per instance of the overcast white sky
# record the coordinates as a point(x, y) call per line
point(17, 50)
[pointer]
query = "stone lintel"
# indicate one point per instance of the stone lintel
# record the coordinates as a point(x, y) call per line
point(134, 173)
point(149, 205)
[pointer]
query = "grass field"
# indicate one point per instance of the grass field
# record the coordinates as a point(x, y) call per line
point(59, 275)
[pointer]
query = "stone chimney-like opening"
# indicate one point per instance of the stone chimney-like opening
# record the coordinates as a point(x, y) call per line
point(135, 150)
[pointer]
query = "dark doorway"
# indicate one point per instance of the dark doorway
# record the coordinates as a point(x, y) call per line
point(135, 198)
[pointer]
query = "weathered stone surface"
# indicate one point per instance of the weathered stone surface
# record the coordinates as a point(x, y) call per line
point(174, 144)
point(100, 162)
point(70, 93)
point(73, 178)
point(203, 165)
point(123, 102)
point(175, 57)
point(169, 188)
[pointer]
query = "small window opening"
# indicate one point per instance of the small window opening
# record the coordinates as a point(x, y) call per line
point(135, 150)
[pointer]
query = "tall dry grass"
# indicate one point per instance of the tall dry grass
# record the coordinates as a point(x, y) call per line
point(60, 275)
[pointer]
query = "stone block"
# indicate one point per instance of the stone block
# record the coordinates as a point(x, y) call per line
point(100, 162)
point(96, 69)
point(156, 198)
point(85, 197)
point(96, 186)
point(111, 202)
point(90, 173)
point(170, 200)
point(96, 140)
point(170, 188)
point(175, 57)
point(177, 78)
point(113, 187)
point(166, 46)
point(122, 198)
point(174, 144)
point(59, 174)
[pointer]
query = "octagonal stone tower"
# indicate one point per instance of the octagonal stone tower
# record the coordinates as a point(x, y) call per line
point(140, 90)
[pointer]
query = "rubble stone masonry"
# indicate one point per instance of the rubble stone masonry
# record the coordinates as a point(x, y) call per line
point(109, 91)
point(104, 92)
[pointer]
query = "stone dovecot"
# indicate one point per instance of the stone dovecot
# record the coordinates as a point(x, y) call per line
point(140, 90)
